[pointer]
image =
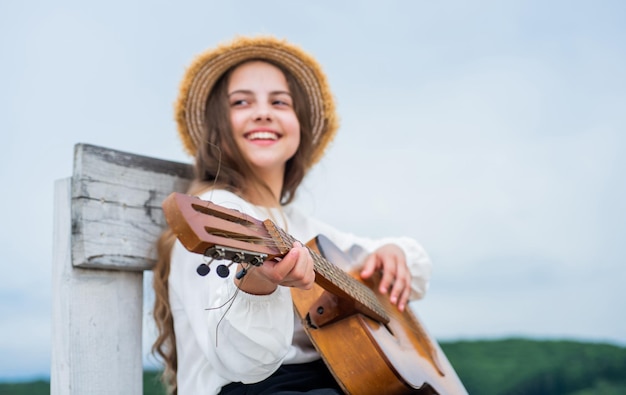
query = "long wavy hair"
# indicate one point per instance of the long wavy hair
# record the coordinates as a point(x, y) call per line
point(219, 164)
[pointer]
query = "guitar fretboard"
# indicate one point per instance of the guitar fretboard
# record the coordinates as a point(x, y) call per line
point(337, 281)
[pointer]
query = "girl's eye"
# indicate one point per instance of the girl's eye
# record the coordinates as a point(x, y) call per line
point(281, 102)
point(239, 102)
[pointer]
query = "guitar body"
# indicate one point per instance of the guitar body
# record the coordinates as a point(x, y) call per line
point(366, 356)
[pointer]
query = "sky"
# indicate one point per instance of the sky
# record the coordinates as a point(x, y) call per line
point(492, 132)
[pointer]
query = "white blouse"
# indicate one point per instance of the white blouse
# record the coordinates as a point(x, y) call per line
point(225, 336)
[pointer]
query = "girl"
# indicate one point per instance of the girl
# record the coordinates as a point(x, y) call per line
point(257, 114)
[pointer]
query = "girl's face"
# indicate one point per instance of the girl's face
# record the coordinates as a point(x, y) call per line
point(263, 120)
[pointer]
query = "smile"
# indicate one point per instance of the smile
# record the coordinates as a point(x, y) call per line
point(262, 135)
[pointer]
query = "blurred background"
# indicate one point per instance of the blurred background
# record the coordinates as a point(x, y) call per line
point(492, 132)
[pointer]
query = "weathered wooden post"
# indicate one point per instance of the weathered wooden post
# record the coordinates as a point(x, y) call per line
point(107, 219)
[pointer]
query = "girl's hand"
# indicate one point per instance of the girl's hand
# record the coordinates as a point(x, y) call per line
point(396, 278)
point(294, 270)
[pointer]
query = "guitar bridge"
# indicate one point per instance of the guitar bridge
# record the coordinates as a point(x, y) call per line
point(329, 308)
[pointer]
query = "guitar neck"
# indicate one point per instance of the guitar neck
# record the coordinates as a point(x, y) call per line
point(333, 279)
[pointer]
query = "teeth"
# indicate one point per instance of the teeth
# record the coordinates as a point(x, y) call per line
point(262, 136)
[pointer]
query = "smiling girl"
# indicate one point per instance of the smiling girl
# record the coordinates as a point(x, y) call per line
point(257, 114)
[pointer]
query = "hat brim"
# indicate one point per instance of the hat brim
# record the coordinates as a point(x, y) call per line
point(209, 66)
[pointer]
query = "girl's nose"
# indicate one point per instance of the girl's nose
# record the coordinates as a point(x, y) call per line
point(262, 113)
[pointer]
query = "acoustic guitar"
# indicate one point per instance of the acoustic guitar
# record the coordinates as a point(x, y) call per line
point(369, 346)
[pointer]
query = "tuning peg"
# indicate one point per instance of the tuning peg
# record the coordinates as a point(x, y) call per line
point(215, 252)
point(258, 260)
point(203, 269)
point(238, 257)
point(241, 273)
point(223, 271)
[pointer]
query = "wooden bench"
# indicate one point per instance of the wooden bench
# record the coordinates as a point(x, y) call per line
point(107, 218)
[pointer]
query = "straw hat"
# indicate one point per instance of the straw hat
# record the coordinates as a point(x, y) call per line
point(209, 66)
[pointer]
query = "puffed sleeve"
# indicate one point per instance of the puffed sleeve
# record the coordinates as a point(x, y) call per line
point(244, 337)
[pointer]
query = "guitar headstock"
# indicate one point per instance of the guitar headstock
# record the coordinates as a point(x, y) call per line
point(206, 228)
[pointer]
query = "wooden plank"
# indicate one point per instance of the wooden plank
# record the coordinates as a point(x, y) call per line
point(116, 206)
point(107, 216)
point(97, 319)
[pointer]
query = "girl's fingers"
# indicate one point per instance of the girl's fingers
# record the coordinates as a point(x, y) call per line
point(369, 266)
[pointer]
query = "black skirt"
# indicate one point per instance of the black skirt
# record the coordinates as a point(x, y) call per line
point(307, 378)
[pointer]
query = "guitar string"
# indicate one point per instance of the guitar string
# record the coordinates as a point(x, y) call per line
point(357, 290)
point(321, 263)
point(228, 302)
point(341, 279)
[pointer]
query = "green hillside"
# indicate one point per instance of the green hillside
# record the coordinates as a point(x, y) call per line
point(519, 366)
point(493, 367)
